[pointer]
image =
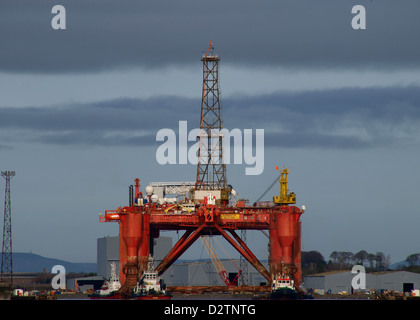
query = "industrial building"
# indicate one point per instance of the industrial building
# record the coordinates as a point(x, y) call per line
point(183, 273)
point(204, 273)
point(340, 281)
point(108, 252)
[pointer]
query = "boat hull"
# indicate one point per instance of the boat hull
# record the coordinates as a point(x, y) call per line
point(153, 297)
point(112, 296)
point(284, 294)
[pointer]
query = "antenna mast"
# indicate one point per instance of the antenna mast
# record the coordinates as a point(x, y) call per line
point(7, 259)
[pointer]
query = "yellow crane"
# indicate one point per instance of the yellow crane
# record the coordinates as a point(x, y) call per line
point(285, 197)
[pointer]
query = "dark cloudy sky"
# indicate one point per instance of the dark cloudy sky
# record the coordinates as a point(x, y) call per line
point(80, 109)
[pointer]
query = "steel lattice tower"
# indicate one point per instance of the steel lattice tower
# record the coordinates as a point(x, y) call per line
point(211, 171)
point(7, 260)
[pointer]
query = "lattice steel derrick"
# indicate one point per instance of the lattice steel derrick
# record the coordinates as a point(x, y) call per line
point(211, 171)
point(7, 257)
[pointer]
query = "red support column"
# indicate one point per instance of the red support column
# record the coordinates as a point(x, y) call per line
point(275, 253)
point(132, 235)
point(297, 254)
point(286, 228)
point(285, 243)
point(123, 253)
point(144, 244)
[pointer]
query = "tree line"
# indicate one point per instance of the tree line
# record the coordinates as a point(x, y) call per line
point(412, 263)
point(314, 261)
point(371, 261)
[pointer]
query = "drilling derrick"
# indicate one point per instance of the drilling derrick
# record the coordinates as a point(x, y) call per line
point(211, 170)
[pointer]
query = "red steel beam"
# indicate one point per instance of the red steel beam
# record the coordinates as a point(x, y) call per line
point(259, 266)
point(253, 260)
point(228, 218)
point(179, 250)
point(182, 239)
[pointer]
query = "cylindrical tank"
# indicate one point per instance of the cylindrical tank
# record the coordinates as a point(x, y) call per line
point(287, 232)
point(144, 245)
point(275, 249)
point(285, 242)
point(297, 254)
point(123, 252)
point(131, 233)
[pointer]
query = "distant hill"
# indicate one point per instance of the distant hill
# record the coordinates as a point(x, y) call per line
point(398, 265)
point(401, 264)
point(29, 262)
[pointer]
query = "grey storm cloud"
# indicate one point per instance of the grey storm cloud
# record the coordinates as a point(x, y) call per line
point(346, 118)
point(105, 34)
point(110, 123)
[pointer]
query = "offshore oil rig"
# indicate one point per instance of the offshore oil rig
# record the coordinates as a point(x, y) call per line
point(204, 208)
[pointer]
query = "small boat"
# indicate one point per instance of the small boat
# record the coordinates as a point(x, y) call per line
point(110, 287)
point(150, 286)
point(283, 289)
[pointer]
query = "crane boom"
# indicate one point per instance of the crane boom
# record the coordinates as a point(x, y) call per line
point(215, 259)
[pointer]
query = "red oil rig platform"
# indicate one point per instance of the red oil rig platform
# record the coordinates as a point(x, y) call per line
point(205, 209)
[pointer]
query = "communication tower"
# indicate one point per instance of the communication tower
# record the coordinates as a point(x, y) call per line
point(7, 258)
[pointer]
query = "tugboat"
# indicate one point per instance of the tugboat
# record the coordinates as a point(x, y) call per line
point(110, 288)
point(283, 289)
point(150, 286)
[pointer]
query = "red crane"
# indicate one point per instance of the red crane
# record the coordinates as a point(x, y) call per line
point(218, 264)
